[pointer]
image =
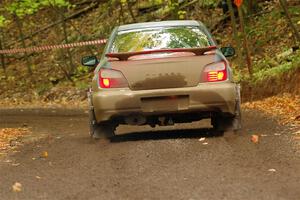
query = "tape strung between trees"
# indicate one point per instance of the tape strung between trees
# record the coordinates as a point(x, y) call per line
point(50, 47)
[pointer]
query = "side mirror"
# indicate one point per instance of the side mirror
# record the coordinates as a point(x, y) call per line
point(89, 61)
point(228, 51)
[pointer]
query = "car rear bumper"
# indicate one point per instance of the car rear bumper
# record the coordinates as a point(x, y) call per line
point(214, 97)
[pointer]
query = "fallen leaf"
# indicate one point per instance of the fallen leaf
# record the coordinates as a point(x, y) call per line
point(44, 154)
point(10, 138)
point(254, 138)
point(297, 137)
point(202, 139)
point(285, 106)
point(297, 133)
point(17, 187)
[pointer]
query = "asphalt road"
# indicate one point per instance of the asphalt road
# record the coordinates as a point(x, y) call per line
point(145, 163)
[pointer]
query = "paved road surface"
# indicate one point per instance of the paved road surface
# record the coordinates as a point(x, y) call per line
point(145, 163)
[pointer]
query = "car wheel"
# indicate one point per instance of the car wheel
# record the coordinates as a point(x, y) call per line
point(221, 123)
point(217, 133)
point(100, 130)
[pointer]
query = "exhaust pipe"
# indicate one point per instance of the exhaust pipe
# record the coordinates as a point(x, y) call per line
point(135, 120)
point(165, 121)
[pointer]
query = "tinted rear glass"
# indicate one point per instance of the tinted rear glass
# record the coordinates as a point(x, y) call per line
point(159, 38)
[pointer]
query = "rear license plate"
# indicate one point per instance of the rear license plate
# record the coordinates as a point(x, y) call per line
point(165, 103)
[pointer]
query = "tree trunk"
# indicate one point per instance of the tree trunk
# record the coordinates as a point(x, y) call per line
point(110, 8)
point(287, 14)
point(2, 58)
point(175, 8)
point(72, 67)
point(19, 26)
point(122, 13)
point(252, 6)
point(47, 27)
point(63, 18)
point(246, 45)
point(129, 5)
point(235, 32)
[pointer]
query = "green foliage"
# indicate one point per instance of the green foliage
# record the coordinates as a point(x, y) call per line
point(29, 7)
point(264, 69)
point(43, 88)
point(80, 77)
point(149, 3)
point(58, 3)
point(82, 70)
point(173, 4)
point(123, 2)
point(181, 14)
point(82, 85)
point(22, 8)
point(2, 21)
point(209, 3)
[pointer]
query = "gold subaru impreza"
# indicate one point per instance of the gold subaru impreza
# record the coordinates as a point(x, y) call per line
point(162, 73)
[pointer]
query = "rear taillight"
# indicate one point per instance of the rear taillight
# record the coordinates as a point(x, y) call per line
point(109, 78)
point(215, 72)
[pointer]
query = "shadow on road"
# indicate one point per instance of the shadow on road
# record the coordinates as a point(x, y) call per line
point(166, 134)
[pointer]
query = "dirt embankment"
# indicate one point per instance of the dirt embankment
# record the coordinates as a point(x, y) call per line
point(286, 83)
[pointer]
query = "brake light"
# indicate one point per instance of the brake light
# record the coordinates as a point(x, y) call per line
point(215, 72)
point(110, 78)
point(106, 82)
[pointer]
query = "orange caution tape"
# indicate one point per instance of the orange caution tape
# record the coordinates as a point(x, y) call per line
point(50, 47)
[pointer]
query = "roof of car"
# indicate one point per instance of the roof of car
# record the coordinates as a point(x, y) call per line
point(159, 24)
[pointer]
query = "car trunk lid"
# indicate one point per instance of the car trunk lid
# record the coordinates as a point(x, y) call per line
point(173, 70)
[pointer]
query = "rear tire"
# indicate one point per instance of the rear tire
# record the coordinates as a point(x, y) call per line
point(221, 123)
point(100, 130)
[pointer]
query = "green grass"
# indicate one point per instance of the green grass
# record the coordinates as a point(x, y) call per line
point(265, 68)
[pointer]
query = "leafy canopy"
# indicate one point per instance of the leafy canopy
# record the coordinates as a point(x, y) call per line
point(2, 21)
point(28, 7)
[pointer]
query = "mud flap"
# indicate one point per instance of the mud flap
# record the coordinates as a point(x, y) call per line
point(230, 123)
point(98, 131)
point(92, 119)
point(237, 120)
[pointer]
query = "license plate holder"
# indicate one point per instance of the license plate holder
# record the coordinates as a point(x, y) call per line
point(165, 103)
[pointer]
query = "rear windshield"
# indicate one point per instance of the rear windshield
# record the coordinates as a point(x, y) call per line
point(159, 38)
